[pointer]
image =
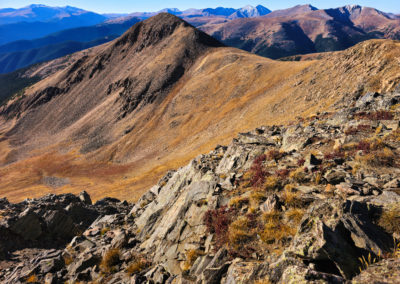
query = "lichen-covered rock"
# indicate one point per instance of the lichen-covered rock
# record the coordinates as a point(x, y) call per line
point(385, 271)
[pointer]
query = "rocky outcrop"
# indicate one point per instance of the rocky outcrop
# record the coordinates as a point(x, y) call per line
point(314, 202)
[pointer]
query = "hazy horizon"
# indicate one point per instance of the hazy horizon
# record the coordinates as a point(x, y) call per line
point(123, 6)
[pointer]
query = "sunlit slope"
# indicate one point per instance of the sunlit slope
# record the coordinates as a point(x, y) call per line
point(115, 130)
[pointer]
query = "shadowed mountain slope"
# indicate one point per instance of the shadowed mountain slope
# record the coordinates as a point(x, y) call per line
point(118, 118)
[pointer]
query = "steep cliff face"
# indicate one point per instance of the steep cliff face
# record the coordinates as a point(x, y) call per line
point(315, 201)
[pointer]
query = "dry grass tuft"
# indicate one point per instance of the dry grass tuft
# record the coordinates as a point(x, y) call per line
point(239, 233)
point(298, 175)
point(110, 259)
point(271, 183)
point(32, 279)
point(137, 266)
point(191, 256)
point(291, 197)
point(238, 201)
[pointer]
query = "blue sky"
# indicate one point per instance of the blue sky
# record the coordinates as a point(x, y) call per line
point(128, 6)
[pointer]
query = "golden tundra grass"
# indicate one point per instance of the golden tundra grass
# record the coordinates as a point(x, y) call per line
point(226, 97)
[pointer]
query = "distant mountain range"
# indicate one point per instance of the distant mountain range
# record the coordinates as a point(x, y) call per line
point(36, 21)
point(50, 32)
point(305, 29)
point(43, 13)
point(22, 53)
point(245, 12)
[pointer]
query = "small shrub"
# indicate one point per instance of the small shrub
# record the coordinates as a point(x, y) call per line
point(256, 197)
point(110, 259)
point(378, 115)
point(301, 162)
point(217, 222)
point(294, 215)
point(338, 154)
point(259, 160)
point(258, 170)
point(364, 146)
point(276, 231)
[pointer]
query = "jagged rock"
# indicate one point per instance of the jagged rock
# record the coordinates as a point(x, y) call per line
point(335, 177)
point(119, 239)
point(312, 162)
point(333, 235)
point(245, 272)
point(271, 204)
point(392, 184)
point(366, 100)
point(294, 139)
point(385, 271)
point(88, 261)
point(85, 198)
point(28, 225)
point(60, 224)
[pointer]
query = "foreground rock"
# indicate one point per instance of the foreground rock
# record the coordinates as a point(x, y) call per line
point(314, 202)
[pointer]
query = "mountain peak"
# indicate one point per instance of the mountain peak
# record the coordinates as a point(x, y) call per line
point(249, 11)
point(155, 29)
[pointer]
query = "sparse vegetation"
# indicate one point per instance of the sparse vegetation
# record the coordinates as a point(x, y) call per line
point(381, 158)
point(137, 265)
point(104, 230)
point(32, 279)
point(191, 256)
point(110, 259)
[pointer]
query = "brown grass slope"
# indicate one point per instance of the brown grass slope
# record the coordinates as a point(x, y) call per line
point(157, 97)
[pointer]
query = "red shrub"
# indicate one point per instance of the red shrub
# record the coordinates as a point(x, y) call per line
point(337, 154)
point(218, 221)
point(259, 160)
point(351, 131)
point(301, 162)
point(378, 115)
point(283, 173)
point(274, 155)
point(364, 127)
point(364, 146)
point(259, 172)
